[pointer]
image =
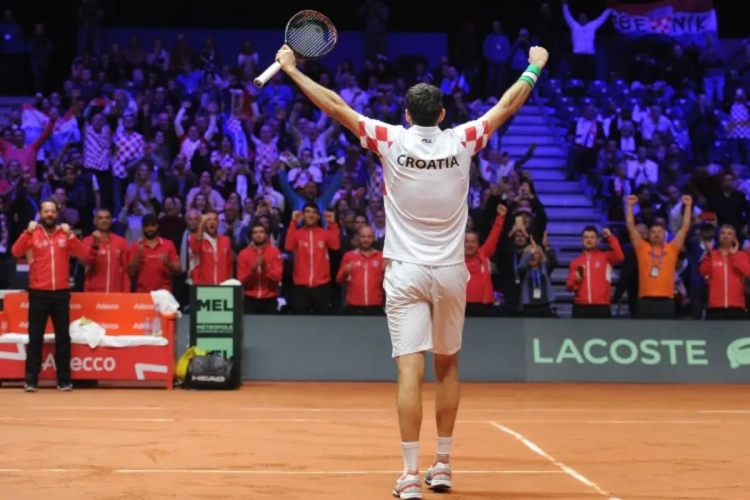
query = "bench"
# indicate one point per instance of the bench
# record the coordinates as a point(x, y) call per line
point(125, 353)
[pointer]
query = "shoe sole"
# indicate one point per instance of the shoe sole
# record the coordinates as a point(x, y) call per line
point(30, 389)
point(439, 486)
point(407, 496)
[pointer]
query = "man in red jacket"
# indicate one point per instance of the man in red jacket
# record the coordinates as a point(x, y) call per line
point(590, 275)
point(312, 266)
point(50, 247)
point(153, 260)
point(106, 258)
point(213, 250)
point(362, 272)
point(260, 269)
point(726, 269)
point(479, 293)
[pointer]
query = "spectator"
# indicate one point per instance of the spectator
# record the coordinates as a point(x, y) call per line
point(311, 244)
point(496, 53)
point(362, 272)
point(642, 170)
point(105, 258)
point(731, 206)
point(586, 136)
point(657, 263)
point(260, 269)
point(726, 268)
point(25, 154)
point(213, 252)
point(703, 128)
point(537, 294)
point(712, 60)
point(583, 36)
point(153, 262)
point(590, 275)
point(479, 293)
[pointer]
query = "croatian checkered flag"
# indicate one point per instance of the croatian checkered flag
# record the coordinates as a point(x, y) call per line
point(661, 20)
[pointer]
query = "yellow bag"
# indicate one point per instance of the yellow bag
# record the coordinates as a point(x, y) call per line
point(180, 368)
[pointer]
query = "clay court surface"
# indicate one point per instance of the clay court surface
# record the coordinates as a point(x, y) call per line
point(315, 441)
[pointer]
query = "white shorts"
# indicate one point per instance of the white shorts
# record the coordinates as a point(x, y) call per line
point(425, 306)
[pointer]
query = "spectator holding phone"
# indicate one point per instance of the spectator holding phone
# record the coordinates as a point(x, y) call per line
point(535, 268)
point(726, 269)
point(590, 275)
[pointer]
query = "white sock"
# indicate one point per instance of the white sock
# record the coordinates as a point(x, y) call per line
point(444, 448)
point(411, 457)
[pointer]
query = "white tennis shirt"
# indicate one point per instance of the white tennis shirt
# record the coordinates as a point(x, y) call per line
point(426, 186)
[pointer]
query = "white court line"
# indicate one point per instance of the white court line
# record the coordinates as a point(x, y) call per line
point(251, 472)
point(27, 418)
point(564, 468)
point(380, 410)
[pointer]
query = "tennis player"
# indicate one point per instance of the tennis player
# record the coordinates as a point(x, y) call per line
point(426, 186)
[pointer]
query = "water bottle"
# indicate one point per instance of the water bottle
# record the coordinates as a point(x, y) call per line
point(156, 326)
point(147, 326)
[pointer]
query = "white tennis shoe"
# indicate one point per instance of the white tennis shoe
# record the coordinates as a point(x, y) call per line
point(408, 487)
point(439, 477)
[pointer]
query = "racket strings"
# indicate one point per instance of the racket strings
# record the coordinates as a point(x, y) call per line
point(310, 36)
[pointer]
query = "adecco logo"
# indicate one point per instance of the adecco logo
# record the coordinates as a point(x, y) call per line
point(75, 306)
point(87, 364)
point(738, 353)
point(108, 307)
point(24, 305)
point(144, 307)
point(110, 326)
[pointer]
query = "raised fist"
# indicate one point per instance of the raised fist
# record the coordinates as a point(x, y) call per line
point(97, 236)
point(65, 228)
point(687, 200)
point(32, 226)
point(606, 232)
point(330, 218)
point(502, 210)
point(632, 200)
point(538, 56)
point(296, 215)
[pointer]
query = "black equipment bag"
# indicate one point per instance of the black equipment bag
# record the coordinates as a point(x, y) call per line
point(212, 372)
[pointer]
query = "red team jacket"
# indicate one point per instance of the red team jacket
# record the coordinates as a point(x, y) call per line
point(310, 246)
point(107, 267)
point(596, 287)
point(261, 283)
point(479, 290)
point(726, 278)
point(365, 281)
point(50, 253)
point(214, 265)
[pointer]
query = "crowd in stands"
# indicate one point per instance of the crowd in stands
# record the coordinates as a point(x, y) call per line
point(178, 153)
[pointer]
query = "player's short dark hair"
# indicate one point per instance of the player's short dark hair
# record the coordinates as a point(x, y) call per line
point(591, 229)
point(424, 103)
point(311, 204)
point(258, 223)
point(212, 211)
point(149, 220)
point(49, 200)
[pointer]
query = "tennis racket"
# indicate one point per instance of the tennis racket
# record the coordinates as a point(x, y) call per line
point(310, 35)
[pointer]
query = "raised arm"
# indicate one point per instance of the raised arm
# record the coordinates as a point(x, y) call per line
point(328, 101)
point(687, 220)
point(635, 236)
point(517, 94)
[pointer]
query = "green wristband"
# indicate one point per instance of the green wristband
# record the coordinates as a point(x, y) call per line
point(534, 69)
point(526, 79)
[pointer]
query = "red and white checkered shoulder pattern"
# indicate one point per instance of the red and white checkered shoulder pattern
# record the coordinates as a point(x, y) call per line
point(376, 136)
point(474, 136)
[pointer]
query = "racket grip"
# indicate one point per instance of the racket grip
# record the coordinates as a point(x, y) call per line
point(267, 74)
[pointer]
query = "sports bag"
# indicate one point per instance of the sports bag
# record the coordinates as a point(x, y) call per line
point(212, 372)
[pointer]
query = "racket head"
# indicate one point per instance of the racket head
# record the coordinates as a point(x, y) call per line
point(310, 34)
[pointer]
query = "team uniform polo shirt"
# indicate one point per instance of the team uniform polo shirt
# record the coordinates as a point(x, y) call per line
point(153, 273)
